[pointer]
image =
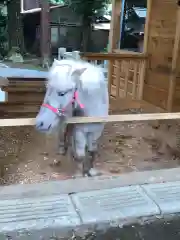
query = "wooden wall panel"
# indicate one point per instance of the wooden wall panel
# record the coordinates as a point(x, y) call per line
point(176, 100)
point(175, 76)
point(162, 27)
point(155, 96)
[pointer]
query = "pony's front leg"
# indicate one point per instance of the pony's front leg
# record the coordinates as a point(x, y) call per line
point(62, 148)
point(80, 156)
point(92, 139)
point(92, 148)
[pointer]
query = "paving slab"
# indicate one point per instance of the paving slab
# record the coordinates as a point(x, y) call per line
point(114, 204)
point(166, 195)
point(37, 213)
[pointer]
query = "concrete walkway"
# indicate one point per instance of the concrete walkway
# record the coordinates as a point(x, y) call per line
point(103, 208)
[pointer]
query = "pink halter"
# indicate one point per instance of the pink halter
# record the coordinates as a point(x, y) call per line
point(61, 112)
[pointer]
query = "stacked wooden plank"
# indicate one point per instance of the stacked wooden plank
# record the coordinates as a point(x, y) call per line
point(25, 89)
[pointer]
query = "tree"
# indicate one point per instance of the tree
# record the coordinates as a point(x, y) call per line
point(3, 33)
point(88, 9)
point(14, 24)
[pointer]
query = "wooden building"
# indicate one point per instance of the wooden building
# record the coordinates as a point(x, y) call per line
point(148, 80)
point(158, 66)
point(151, 77)
point(64, 24)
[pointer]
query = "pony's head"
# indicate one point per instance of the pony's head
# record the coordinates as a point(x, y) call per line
point(66, 79)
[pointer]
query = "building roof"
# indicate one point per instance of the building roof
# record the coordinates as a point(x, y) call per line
point(141, 12)
point(32, 6)
point(102, 26)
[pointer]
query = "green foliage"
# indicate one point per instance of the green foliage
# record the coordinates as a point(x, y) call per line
point(3, 25)
point(57, 1)
point(88, 8)
point(3, 34)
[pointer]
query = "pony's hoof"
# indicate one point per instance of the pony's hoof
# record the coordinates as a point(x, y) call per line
point(62, 151)
point(94, 173)
point(77, 175)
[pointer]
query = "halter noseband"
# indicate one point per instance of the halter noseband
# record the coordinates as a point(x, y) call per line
point(61, 111)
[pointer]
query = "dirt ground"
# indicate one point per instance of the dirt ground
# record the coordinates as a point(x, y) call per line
point(27, 156)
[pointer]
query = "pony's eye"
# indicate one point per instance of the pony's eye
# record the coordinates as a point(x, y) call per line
point(61, 94)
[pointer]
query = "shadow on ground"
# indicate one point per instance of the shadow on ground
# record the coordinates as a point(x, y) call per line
point(161, 229)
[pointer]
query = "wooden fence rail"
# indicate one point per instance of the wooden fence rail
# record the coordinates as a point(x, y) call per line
point(110, 118)
point(112, 56)
point(125, 72)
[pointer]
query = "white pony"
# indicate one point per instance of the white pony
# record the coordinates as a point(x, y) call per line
point(75, 88)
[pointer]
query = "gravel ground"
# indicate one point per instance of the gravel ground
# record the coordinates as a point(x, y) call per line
point(27, 156)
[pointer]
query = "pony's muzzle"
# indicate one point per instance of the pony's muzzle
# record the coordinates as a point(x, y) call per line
point(40, 126)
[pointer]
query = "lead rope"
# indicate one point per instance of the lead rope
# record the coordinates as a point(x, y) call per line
point(68, 134)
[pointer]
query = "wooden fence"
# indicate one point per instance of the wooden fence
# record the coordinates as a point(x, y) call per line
point(125, 72)
point(110, 118)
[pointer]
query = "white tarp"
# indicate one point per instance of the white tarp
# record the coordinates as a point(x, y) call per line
point(21, 73)
point(8, 72)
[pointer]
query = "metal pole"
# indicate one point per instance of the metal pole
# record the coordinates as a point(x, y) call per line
point(45, 33)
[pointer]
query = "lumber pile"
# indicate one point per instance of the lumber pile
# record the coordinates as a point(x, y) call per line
point(24, 97)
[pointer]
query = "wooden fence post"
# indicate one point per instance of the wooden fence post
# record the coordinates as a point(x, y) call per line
point(175, 56)
point(114, 36)
point(45, 33)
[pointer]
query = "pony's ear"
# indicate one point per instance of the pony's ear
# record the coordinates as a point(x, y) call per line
point(54, 64)
point(78, 72)
point(88, 80)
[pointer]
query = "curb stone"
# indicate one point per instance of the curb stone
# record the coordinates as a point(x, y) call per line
point(166, 196)
point(111, 204)
point(27, 213)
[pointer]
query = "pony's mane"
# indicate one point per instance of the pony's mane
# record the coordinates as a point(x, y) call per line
point(60, 75)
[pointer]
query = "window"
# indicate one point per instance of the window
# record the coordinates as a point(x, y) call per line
point(132, 25)
point(54, 35)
